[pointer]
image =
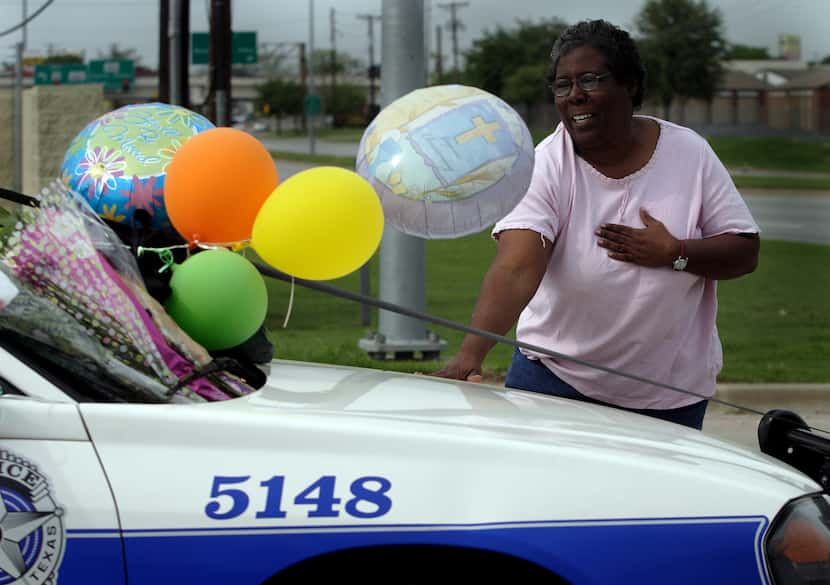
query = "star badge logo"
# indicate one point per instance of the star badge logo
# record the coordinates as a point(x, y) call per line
point(31, 527)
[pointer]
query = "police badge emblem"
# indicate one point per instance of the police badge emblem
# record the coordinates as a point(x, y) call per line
point(31, 526)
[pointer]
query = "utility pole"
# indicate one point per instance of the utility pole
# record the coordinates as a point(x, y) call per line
point(455, 26)
point(18, 117)
point(333, 36)
point(179, 33)
point(311, 93)
point(303, 64)
point(175, 47)
point(164, 52)
point(184, 52)
point(220, 61)
point(20, 48)
point(402, 258)
point(439, 54)
point(374, 71)
point(372, 110)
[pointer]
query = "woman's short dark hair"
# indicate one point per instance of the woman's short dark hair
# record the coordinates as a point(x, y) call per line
point(615, 44)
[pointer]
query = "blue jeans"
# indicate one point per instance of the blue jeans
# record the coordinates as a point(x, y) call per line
point(533, 375)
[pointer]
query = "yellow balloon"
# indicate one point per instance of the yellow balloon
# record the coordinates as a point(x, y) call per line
point(319, 224)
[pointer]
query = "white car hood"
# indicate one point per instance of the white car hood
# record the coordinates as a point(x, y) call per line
point(455, 452)
point(448, 408)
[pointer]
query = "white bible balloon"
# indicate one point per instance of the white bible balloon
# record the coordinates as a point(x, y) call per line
point(447, 161)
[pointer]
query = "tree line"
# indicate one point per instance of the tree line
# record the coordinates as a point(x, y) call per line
point(681, 42)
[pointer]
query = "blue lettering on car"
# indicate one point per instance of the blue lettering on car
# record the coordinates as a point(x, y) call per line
point(229, 497)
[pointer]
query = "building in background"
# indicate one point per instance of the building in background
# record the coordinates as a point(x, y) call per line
point(789, 47)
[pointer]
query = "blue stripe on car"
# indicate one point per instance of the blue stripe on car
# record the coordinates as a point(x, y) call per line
point(688, 551)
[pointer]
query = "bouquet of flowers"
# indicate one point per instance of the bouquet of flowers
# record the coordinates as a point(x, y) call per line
point(67, 281)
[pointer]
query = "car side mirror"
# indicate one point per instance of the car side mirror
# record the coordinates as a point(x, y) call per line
point(784, 435)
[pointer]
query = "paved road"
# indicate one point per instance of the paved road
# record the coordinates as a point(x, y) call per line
point(750, 172)
point(286, 168)
point(791, 216)
point(301, 145)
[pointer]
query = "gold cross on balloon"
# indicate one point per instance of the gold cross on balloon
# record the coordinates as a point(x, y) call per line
point(482, 128)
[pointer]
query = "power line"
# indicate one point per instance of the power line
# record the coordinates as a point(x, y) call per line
point(26, 21)
point(415, 314)
point(99, 3)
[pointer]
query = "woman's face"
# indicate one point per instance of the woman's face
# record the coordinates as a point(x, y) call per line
point(597, 118)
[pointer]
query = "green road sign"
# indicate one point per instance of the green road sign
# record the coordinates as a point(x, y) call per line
point(60, 73)
point(199, 48)
point(311, 104)
point(111, 72)
point(243, 48)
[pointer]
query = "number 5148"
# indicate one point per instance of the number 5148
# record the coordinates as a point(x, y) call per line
point(230, 499)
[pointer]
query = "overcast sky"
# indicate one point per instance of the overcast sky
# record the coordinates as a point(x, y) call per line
point(92, 25)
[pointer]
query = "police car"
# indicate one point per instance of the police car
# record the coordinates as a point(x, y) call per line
point(363, 475)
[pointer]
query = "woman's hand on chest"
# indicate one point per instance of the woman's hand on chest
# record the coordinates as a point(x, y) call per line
point(652, 246)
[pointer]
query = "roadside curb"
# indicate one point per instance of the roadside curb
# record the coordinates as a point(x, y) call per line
point(756, 192)
point(773, 395)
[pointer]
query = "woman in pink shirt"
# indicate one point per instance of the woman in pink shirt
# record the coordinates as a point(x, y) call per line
point(613, 254)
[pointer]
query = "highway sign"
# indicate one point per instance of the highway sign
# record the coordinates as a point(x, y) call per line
point(111, 72)
point(60, 73)
point(243, 48)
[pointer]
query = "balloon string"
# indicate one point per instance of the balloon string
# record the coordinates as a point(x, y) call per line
point(166, 257)
point(235, 246)
point(290, 305)
point(164, 254)
point(142, 249)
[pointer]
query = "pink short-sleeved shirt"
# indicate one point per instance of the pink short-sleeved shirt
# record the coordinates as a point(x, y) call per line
point(652, 322)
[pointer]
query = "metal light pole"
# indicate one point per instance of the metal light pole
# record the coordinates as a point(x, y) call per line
point(164, 51)
point(402, 260)
point(179, 34)
point(220, 60)
point(173, 34)
point(20, 48)
point(18, 118)
point(311, 145)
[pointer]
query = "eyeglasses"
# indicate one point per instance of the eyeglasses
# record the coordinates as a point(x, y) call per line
point(585, 82)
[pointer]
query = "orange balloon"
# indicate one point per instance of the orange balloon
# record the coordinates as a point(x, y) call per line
point(215, 185)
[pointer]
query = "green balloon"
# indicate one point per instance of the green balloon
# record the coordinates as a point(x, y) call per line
point(219, 298)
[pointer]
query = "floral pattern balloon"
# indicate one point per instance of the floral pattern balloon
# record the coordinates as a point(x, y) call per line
point(118, 162)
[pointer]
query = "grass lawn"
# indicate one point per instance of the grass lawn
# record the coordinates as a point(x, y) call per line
point(775, 153)
point(782, 183)
point(774, 324)
point(323, 328)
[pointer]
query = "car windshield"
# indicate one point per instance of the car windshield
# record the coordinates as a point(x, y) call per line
point(73, 304)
